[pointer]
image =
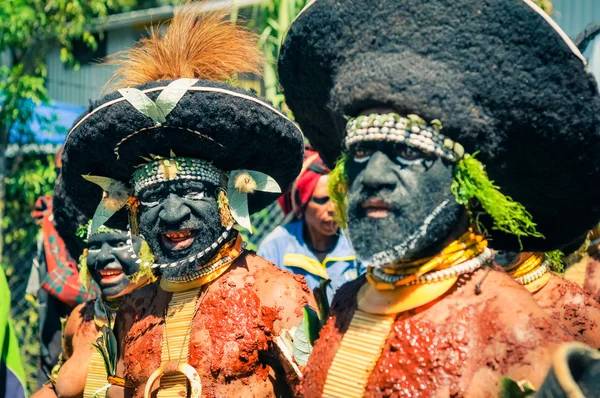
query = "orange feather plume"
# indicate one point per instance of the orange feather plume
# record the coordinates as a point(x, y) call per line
point(196, 44)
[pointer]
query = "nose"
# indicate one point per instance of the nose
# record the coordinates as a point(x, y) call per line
point(173, 210)
point(379, 172)
point(329, 208)
point(105, 256)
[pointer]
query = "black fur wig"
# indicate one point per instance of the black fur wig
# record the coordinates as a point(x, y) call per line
point(501, 77)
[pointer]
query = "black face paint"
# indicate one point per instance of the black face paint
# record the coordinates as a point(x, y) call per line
point(397, 192)
point(110, 262)
point(320, 201)
point(179, 219)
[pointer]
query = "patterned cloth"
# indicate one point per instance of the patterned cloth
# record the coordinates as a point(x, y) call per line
point(62, 276)
point(54, 282)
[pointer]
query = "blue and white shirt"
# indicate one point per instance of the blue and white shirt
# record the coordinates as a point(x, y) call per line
point(285, 247)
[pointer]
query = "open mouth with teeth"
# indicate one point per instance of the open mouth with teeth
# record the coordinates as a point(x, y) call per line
point(376, 208)
point(110, 276)
point(178, 240)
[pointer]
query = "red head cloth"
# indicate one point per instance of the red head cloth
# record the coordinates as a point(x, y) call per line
point(304, 186)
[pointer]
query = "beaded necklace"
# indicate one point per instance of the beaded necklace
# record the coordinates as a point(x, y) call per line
point(533, 272)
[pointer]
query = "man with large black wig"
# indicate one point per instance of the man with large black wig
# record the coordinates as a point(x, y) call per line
point(188, 156)
point(454, 127)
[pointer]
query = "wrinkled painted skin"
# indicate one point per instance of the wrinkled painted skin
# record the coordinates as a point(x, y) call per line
point(569, 305)
point(106, 251)
point(462, 343)
point(232, 346)
point(80, 332)
point(572, 308)
point(392, 190)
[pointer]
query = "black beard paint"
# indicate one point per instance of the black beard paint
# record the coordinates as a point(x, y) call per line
point(108, 252)
point(176, 206)
point(415, 188)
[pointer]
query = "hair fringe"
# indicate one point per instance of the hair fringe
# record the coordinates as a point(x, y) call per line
point(196, 44)
point(338, 189)
point(471, 182)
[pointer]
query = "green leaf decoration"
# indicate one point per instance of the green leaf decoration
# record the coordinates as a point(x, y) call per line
point(511, 389)
point(238, 203)
point(264, 182)
point(555, 259)
point(143, 103)
point(472, 182)
point(101, 216)
point(165, 103)
point(106, 344)
point(302, 344)
point(170, 96)
point(104, 182)
point(312, 325)
point(320, 294)
point(338, 189)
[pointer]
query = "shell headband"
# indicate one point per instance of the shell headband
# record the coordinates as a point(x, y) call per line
point(471, 186)
point(411, 131)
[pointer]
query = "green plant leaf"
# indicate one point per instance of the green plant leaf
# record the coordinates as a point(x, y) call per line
point(320, 294)
point(143, 103)
point(103, 182)
point(238, 203)
point(312, 324)
point(306, 335)
point(511, 389)
point(264, 182)
point(101, 216)
point(170, 96)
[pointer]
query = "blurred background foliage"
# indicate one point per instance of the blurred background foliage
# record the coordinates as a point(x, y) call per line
point(271, 19)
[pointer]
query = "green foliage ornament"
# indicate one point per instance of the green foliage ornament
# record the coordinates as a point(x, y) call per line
point(306, 335)
point(471, 182)
point(165, 103)
point(511, 389)
point(556, 260)
point(338, 189)
point(309, 329)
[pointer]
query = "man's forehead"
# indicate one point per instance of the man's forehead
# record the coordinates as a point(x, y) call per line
point(108, 236)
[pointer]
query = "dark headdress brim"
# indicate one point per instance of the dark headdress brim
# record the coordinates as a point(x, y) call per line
point(67, 220)
point(501, 78)
point(227, 126)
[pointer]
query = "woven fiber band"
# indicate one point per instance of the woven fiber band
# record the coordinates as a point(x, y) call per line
point(411, 131)
point(162, 170)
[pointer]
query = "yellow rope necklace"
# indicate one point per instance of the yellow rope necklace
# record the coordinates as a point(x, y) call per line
point(463, 249)
point(533, 272)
